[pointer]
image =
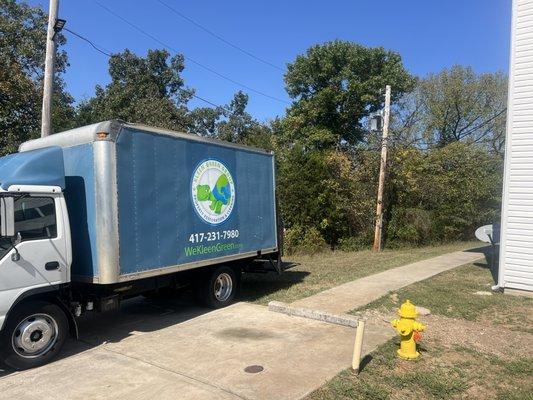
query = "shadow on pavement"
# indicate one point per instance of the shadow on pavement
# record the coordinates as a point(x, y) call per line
point(137, 315)
point(144, 315)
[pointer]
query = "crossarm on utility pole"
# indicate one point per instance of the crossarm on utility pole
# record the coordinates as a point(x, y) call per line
point(382, 172)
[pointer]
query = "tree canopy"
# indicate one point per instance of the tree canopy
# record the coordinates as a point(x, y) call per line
point(455, 105)
point(335, 86)
point(231, 123)
point(22, 38)
point(142, 89)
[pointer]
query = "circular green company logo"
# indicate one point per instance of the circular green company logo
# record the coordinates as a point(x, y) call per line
point(213, 191)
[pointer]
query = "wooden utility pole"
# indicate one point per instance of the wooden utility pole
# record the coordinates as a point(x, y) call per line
point(382, 172)
point(46, 124)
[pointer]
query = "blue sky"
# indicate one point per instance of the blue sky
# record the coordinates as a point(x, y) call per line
point(430, 35)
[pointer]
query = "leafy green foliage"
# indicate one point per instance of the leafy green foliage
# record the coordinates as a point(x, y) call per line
point(23, 33)
point(231, 123)
point(148, 90)
point(454, 105)
point(303, 240)
point(442, 194)
point(317, 190)
point(335, 86)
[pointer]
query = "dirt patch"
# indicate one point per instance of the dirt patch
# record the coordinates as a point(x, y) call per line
point(484, 338)
point(460, 359)
point(454, 332)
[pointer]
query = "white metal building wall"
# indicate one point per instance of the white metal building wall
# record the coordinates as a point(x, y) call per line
point(516, 251)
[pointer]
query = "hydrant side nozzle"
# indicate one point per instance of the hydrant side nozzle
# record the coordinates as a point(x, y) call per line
point(418, 326)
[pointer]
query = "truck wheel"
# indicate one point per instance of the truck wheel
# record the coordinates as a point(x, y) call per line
point(219, 287)
point(33, 335)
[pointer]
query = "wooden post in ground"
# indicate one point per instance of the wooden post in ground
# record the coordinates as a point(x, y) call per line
point(358, 346)
point(46, 124)
point(382, 172)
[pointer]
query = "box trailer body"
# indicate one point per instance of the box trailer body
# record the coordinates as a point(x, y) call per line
point(133, 202)
point(121, 208)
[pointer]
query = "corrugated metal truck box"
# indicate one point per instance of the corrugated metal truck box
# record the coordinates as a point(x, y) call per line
point(144, 201)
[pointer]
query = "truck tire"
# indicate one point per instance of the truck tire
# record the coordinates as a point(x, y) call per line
point(33, 335)
point(218, 288)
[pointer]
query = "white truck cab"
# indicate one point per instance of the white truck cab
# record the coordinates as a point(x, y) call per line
point(35, 258)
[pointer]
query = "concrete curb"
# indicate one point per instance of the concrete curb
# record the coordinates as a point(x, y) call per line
point(344, 320)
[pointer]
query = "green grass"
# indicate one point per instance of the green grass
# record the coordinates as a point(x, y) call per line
point(387, 377)
point(441, 373)
point(452, 294)
point(315, 273)
point(446, 371)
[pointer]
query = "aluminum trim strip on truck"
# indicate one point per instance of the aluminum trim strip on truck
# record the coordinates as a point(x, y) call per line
point(274, 194)
point(107, 236)
point(88, 134)
point(176, 268)
point(75, 137)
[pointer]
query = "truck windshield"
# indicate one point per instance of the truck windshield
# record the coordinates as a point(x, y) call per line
point(35, 218)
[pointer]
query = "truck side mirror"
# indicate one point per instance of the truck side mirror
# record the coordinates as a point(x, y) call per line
point(7, 217)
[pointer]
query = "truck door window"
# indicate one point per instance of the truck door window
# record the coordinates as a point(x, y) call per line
point(35, 218)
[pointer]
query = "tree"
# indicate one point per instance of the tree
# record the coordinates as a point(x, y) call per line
point(231, 123)
point(335, 86)
point(147, 90)
point(22, 54)
point(318, 192)
point(442, 194)
point(455, 105)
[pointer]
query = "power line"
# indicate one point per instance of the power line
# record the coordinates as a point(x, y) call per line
point(108, 54)
point(217, 36)
point(94, 46)
point(137, 28)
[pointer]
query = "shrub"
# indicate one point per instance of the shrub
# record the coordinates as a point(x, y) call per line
point(299, 239)
point(431, 196)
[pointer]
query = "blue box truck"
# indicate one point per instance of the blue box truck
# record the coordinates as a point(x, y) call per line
point(98, 214)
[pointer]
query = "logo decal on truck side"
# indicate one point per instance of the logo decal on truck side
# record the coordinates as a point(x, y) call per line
point(213, 191)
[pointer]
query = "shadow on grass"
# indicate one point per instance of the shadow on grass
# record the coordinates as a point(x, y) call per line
point(491, 254)
point(258, 285)
point(365, 361)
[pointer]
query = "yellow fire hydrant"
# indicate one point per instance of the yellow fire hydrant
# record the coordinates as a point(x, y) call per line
point(409, 330)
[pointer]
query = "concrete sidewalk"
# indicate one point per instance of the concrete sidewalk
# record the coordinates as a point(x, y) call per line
point(163, 350)
point(200, 358)
point(362, 291)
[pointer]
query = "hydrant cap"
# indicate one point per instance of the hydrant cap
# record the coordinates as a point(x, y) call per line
point(407, 310)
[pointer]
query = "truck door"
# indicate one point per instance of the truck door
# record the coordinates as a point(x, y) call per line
point(42, 248)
